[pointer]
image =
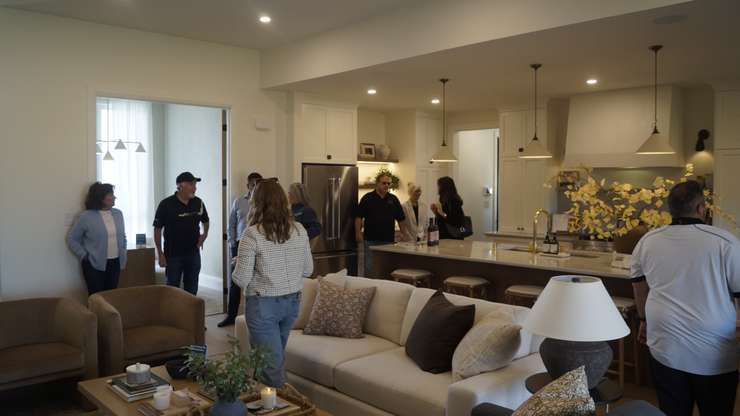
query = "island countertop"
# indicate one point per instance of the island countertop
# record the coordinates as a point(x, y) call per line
point(583, 263)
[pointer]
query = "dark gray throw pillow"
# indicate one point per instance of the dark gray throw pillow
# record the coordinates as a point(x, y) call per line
point(438, 329)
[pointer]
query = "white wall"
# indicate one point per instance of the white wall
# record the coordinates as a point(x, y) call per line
point(371, 127)
point(476, 169)
point(193, 143)
point(699, 114)
point(52, 69)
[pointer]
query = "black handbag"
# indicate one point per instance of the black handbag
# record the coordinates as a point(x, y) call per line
point(466, 230)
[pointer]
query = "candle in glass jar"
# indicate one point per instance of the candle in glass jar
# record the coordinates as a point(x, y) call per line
point(269, 398)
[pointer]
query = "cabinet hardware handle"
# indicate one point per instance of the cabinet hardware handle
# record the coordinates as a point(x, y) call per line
point(328, 157)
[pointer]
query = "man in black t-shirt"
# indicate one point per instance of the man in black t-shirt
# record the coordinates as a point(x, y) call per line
point(180, 215)
point(379, 209)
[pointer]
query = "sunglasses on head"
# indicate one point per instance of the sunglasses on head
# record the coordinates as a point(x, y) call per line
point(267, 180)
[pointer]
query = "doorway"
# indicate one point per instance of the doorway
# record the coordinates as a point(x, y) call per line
point(475, 176)
point(141, 147)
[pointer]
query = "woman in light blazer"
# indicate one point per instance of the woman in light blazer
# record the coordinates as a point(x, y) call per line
point(417, 215)
point(98, 239)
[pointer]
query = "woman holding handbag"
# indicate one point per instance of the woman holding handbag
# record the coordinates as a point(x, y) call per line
point(449, 213)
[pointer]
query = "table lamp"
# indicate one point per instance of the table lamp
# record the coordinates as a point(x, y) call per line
point(577, 316)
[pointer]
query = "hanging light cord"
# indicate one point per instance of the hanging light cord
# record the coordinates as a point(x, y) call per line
point(655, 49)
point(444, 112)
point(535, 67)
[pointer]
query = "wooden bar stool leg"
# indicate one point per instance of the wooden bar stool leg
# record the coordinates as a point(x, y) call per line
point(635, 349)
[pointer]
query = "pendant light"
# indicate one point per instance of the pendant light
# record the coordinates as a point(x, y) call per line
point(656, 144)
point(98, 149)
point(535, 149)
point(444, 154)
point(140, 148)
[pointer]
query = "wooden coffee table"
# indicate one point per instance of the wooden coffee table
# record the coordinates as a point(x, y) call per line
point(100, 394)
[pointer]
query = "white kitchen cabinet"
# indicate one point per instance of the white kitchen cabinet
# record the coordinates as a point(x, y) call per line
point(428, 139)
point(534, 193)
point(727, 120)
point(327, 135)
point(727, 185)
point(517, 129)
point(521, 193)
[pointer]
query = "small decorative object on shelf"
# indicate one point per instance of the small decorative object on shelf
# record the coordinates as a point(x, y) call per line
point(367, 151)
point(383, 151)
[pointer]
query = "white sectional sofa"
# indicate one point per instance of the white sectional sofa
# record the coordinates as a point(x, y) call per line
point(373, 375)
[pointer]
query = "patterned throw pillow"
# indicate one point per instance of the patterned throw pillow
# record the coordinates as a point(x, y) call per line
point(489, 345)
point(337, 311)
point(566, 396)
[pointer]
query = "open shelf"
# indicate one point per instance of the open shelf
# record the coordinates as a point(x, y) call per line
point(376, 162)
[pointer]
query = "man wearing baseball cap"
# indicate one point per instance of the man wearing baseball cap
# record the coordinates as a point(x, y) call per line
point(181, 215)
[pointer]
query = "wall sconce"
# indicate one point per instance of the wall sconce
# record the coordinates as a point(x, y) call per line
point(702, 135)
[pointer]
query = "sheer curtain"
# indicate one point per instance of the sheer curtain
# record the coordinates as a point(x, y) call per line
point(130, 172)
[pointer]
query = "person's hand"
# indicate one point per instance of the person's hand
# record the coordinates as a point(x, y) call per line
point(162, 260)
point(435, 208)
point(201, 240)
point(233, 261)
point(642, 333)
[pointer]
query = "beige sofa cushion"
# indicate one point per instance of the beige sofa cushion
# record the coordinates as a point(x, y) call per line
point(153, 339)
point(308, 295)
point(315, 356)
point(420, 296)
point(392, 382)
point(385, 315)
point(488, 346)
point(339, 311)
point(28, 361)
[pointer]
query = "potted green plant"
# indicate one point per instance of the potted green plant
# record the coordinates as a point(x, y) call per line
point(227, 377)
point(395, 180)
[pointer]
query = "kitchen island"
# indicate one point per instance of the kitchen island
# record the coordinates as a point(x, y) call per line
point(501, 264)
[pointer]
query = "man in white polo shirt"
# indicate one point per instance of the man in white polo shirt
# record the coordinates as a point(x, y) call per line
point(685, 277)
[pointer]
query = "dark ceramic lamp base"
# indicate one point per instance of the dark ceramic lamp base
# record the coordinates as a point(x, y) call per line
point(560, 357)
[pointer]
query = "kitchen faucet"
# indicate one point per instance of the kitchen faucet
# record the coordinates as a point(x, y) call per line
point(534, 227)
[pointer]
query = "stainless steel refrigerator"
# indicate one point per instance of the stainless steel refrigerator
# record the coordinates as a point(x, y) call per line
point(332, 190)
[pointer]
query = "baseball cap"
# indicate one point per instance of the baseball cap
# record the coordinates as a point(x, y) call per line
point(186, 177)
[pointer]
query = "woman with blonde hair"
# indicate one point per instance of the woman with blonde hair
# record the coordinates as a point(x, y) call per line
point(417, 215)
point(300, 206)
point(273, 258)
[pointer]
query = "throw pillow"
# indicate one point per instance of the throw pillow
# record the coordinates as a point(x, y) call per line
point(337, 311)
point(568, 395)
point(308, 296)
point(489, 345)
point(438, 329)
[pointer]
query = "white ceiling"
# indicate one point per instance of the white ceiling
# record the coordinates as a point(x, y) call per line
point(702, 48)
point(231, 22)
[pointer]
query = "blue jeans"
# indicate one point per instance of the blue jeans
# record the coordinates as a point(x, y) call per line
point(368, 270)
point(269, 320)
point(184, 269)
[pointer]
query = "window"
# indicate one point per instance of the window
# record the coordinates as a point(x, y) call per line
point(124, 159)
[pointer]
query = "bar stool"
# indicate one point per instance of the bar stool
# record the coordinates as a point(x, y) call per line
point(522, 295)
point(628, 309)
point(467, 283)
point(414, 277)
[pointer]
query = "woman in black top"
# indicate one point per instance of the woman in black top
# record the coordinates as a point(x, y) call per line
point(449, 212)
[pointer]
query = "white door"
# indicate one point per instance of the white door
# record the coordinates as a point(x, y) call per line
point(727, 172)
point(314, 133)
point(341, 140)
point(475, 177)
point(510, 218)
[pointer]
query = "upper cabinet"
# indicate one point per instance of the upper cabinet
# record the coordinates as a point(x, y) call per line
point(428, 139)
point(727, 120)
point(517, 129)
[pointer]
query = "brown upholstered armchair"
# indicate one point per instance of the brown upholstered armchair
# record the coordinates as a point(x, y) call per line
point(44, 339)
point(145, 324)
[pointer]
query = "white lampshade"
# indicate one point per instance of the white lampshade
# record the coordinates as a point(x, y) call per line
point(576, 308)
point(444, 154)
point(656, 144)
point(535, 150)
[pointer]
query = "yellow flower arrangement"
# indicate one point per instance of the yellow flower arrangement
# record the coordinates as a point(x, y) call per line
point(605, 211)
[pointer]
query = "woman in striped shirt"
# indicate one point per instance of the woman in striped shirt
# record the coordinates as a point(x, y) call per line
point(274, 256)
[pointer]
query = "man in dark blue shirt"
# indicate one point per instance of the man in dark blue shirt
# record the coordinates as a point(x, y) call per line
point(181, 215)
point(376, 215)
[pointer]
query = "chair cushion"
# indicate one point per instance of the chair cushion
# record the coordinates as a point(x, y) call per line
point(567, 395)
point(471, 281)
point(489, 345)
point(339, 311)
point(411, 274)
point(33, 360)
point(392, 382)
point(152, 339)
point(525, 290)
point(385, 315)
point(315, 356)
point(437, 332)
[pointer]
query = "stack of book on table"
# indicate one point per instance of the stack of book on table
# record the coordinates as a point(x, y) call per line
point(134, 392)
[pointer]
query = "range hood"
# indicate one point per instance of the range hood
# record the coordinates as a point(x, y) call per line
point(605, 129)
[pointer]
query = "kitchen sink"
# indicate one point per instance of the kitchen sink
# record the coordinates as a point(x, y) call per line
point(527, 250)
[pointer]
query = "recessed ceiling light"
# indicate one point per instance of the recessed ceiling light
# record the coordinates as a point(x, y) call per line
point(592, 81)
point(265, 19)
point(372, 91)
point(435, 100)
